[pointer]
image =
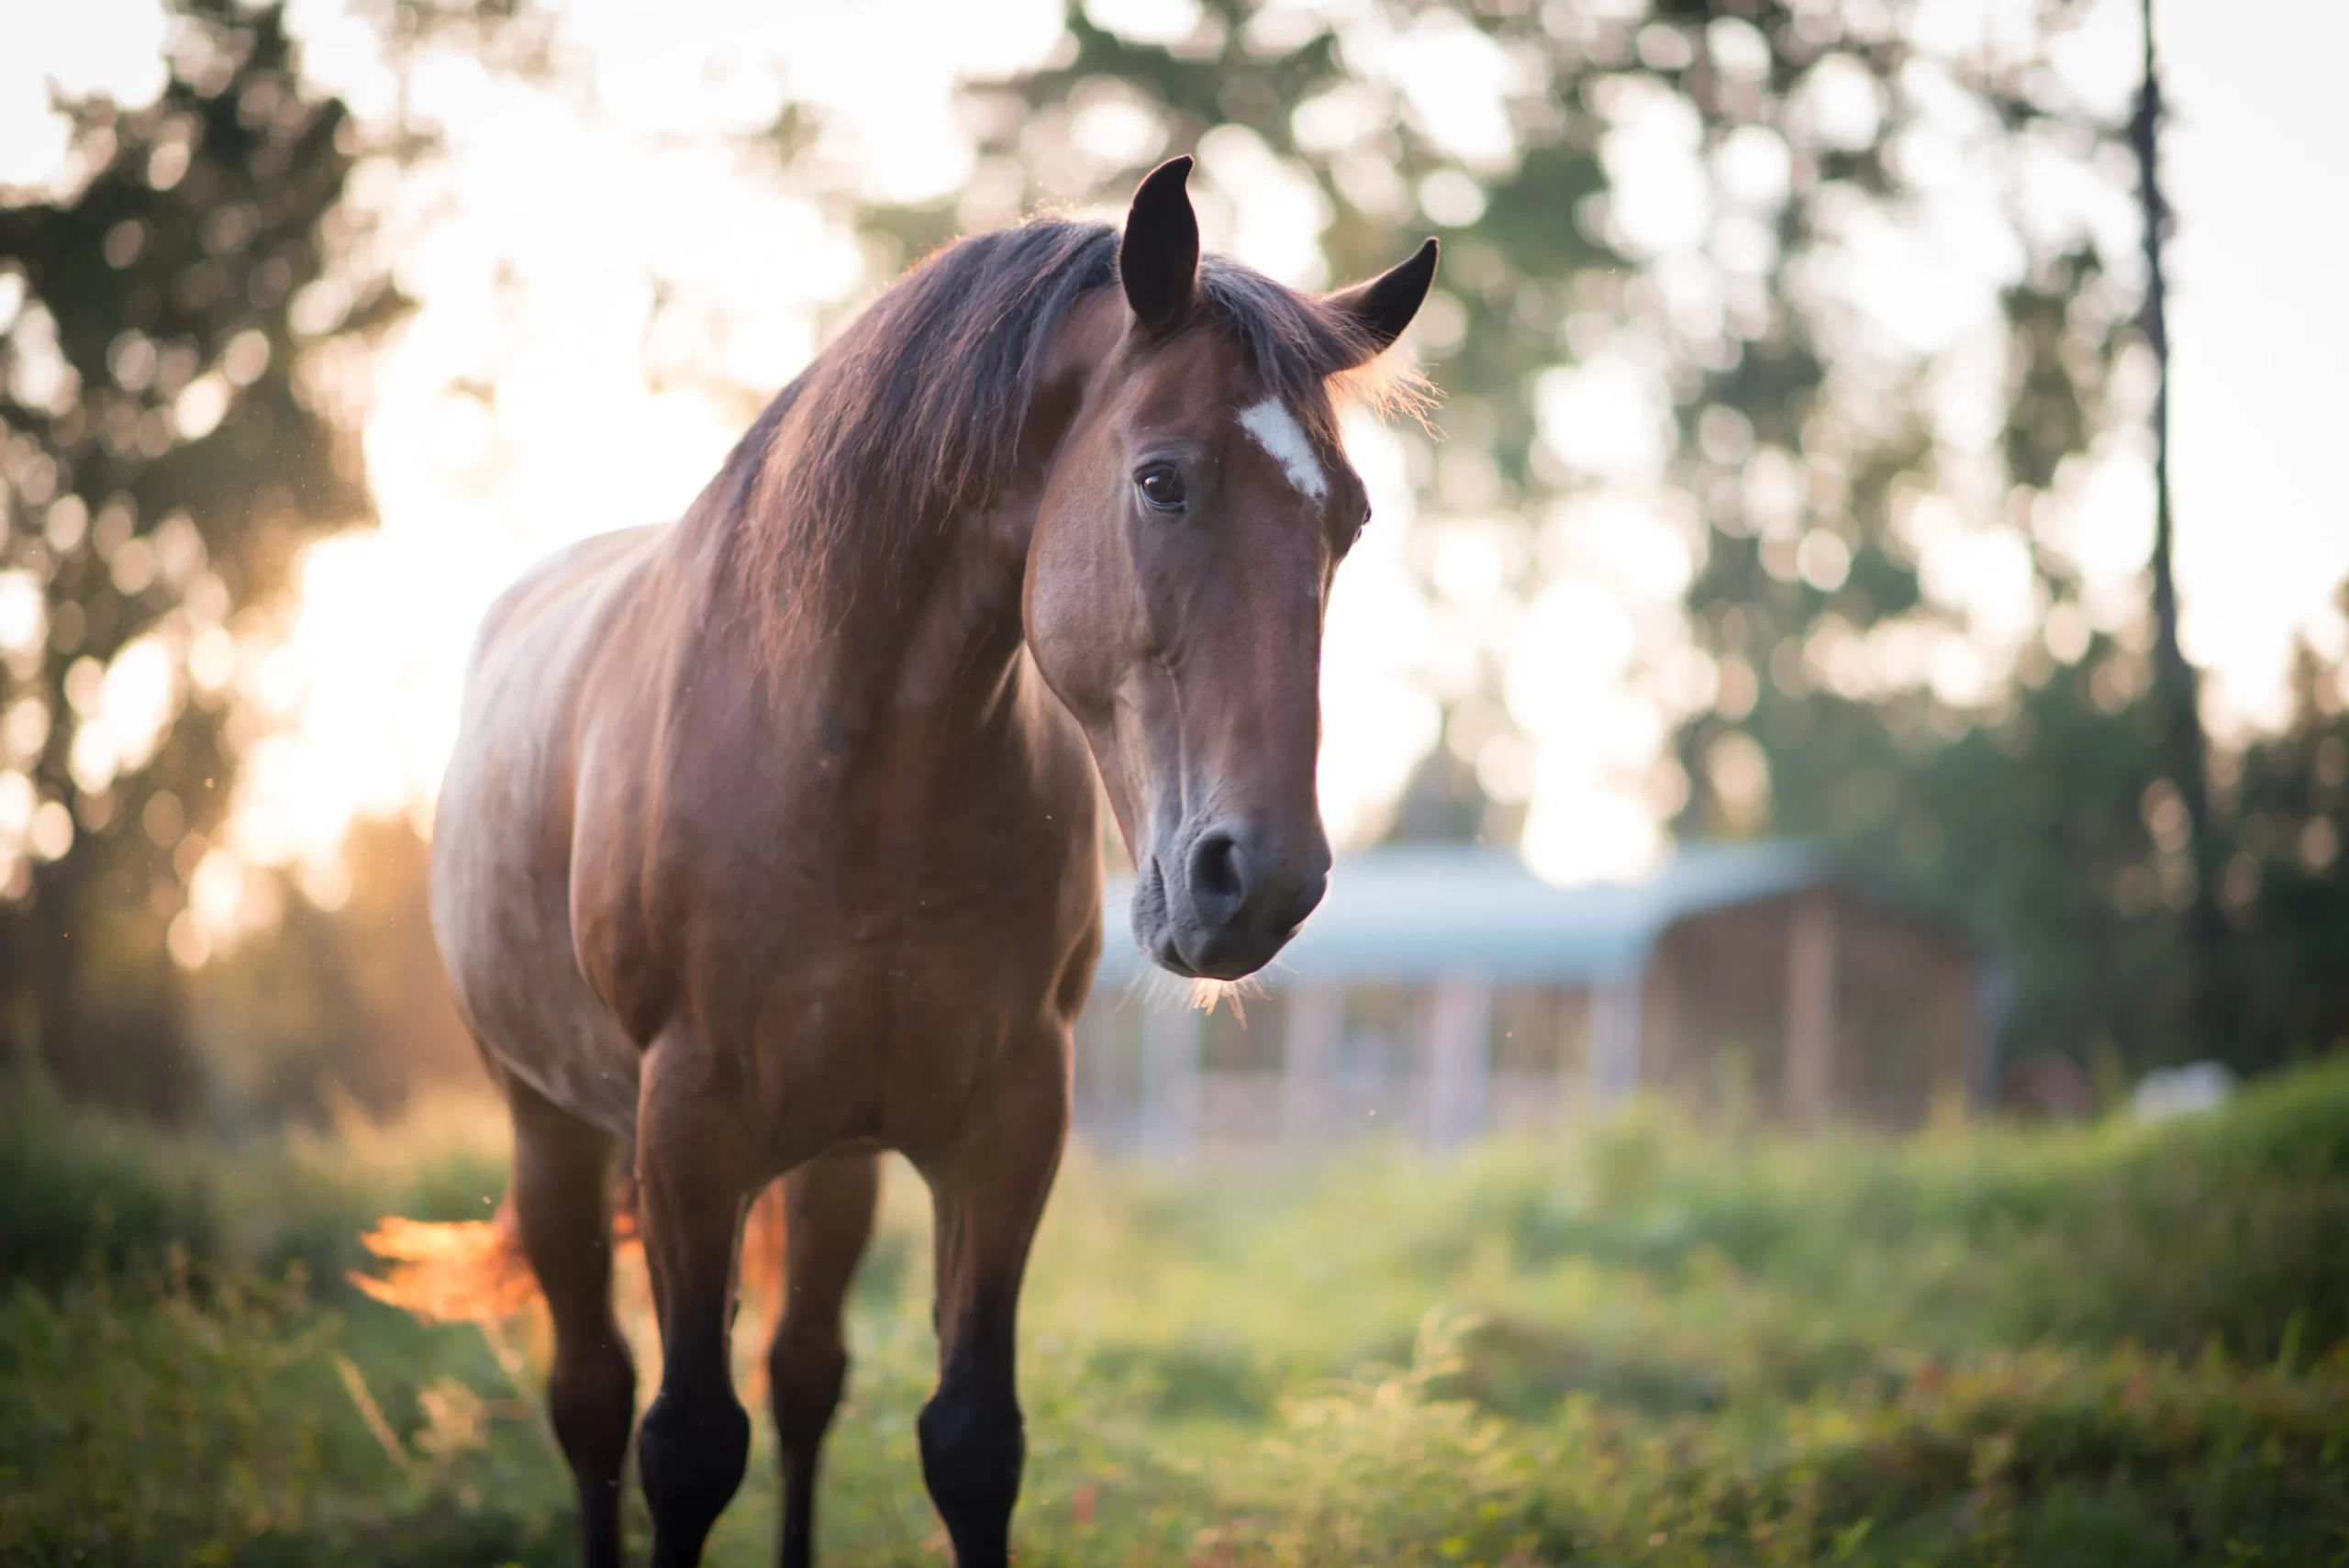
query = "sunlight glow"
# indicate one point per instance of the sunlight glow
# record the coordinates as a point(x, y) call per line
point(612, 278)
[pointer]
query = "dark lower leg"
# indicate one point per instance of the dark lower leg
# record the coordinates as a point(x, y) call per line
point(560, 1195)
point(973, 1441)
point(696, 1438)
point(806, 1394)
point(828, 1207)
point(974, 1446)
point(691, 1451)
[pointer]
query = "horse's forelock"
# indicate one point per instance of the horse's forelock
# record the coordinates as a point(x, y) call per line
point(1315, 359)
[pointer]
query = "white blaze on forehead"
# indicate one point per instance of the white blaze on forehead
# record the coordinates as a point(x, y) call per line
point(1277, 430)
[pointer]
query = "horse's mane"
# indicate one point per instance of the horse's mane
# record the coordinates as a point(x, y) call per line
point(912, 417)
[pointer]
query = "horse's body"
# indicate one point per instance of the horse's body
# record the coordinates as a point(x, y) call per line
point(769, 839)
point(852, 917)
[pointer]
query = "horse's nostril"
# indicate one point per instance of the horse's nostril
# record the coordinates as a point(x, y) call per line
point(1218, 885)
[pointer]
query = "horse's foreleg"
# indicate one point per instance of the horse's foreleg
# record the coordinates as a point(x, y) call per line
point(988, 1192)
point(695, 1170)
point(562, 1196)
point(827, 1218)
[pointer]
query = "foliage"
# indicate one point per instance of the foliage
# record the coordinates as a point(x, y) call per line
point(158, 1422)
point(2285, 889)
point(2116, 1343)
point(2029, 783)
point(185, 297)
point(164, 452)
point(352, 1004)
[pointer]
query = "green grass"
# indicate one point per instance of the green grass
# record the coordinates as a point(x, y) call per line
point(2106, 1345)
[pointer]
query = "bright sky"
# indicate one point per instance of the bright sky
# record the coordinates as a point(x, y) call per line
point(623, 289)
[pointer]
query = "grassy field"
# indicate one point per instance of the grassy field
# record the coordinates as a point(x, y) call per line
point(2099, 1346)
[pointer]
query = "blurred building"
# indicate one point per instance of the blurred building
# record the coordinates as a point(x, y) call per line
point(1444, 991)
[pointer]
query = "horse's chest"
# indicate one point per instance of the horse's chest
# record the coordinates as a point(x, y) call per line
point(881, 1025)
point(858, 958)
point(916, 961)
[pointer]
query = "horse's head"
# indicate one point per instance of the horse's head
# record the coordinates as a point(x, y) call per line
point(1182, 559)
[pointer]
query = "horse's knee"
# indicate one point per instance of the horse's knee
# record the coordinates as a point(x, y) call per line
point(973, 1447)
point(691, 1456)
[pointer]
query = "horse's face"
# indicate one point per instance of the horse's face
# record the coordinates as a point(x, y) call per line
point(1176, 581)
point(1176, 589)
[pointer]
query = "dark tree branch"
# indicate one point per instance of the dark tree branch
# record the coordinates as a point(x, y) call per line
point(2175, 682)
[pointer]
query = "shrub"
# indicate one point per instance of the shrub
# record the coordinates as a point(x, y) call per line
point(2099, 1345)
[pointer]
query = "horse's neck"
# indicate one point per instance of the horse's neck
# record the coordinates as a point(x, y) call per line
point(916, 673)
point(913, 658)
point(962, 640)
point(932, 644)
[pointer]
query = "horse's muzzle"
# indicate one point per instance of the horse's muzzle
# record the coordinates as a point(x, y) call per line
point(1228, 897)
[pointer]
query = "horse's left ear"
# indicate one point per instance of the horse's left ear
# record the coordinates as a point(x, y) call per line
point(1385, 304)
point(1158, 260)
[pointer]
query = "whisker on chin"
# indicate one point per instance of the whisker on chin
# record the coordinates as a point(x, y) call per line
point(1206, 994)
point(1159, 988)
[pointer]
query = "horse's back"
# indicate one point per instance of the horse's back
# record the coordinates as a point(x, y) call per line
point(501, 843)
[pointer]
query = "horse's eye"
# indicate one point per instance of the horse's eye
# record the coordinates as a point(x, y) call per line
point(1162, 486)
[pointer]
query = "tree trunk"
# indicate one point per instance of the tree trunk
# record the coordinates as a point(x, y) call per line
point(2175, 682)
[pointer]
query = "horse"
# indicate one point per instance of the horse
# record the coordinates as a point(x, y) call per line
point(769, 841)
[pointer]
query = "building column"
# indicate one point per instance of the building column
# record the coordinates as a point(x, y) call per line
point(1660, 1065)
point(1170, 1078)
point(1317, 1013)
point(1810, 1011)
point(1952, 1090)
point(1615, 1006)
point(1460, 1060)
point(1992, 993)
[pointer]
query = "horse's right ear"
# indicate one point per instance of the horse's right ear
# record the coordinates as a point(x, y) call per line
point(1158, 260)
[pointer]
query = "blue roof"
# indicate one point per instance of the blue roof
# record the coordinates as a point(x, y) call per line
point(1418, 912)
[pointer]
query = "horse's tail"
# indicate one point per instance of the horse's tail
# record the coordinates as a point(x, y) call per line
point(468, 1271)
point(475, 1271)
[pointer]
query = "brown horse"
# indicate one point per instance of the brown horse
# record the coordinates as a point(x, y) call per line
point(769, 842)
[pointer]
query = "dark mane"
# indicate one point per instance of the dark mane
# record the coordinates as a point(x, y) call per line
point(913, 416)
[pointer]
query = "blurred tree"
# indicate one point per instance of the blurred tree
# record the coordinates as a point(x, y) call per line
point(2177, 687)
point(1443, 802)
point(164, 455)
point(2285, 888)
point(350, 1002)
point(2050, 787)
